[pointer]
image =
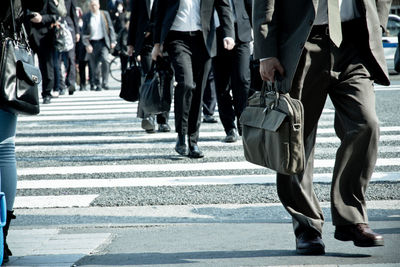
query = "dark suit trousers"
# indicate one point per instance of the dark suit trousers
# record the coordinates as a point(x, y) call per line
point(46, 64)
point(192, 64)
point(209, 96)
point(99, 55)
point(340, 73)
point(232, 80)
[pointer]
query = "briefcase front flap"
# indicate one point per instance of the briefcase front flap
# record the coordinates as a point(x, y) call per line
point(259, 117)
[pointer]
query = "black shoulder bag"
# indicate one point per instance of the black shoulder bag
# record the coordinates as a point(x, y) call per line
point(19, 77)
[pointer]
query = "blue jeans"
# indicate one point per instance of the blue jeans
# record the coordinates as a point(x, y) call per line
point(8, 166)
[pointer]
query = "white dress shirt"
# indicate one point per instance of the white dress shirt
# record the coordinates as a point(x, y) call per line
point(96, 27)
point(188, 17)
point(348, 11)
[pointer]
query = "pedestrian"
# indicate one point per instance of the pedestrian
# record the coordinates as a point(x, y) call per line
point(81, 55)
point(99, 39)
point(186, 30)
point(8, 121)
point(313, 57)
point(232, 71)
point(140, 45)
point(121, 49)
point(42, 42)
point(69, 57)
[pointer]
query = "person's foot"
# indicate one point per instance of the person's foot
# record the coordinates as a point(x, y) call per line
point(62, 91)
point(164, 128)
point(309, 244)
point(47, 99)
point(92, 87)
point(195, 152)
point(231, 136)
point(98, 88)
point(82, 87)
point(209, 119)
point(105, 87)
point(360, 234)
point(180, 146)
point(71, 89)
point(148, 125)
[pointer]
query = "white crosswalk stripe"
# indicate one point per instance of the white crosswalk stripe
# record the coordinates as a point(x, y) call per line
point(76, 139)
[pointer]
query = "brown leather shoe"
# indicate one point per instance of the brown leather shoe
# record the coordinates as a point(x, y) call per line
point(309, 244)
point(360, 234)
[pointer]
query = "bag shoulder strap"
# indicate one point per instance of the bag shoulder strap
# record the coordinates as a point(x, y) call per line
point(106, 22)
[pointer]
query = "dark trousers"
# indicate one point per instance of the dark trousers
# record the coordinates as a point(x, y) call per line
point(99, 55)
point(192, 64)
point(82, 71)
point(342, 74)
point(210, 96)
point(232, 80)
point(68, 58)
point(46, 65)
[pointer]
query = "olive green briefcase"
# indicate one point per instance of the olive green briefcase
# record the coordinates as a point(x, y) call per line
point(273, 130)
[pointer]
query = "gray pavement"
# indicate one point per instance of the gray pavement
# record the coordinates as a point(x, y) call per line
point(189, 235)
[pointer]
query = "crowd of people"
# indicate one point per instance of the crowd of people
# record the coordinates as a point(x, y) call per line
point(209, 45)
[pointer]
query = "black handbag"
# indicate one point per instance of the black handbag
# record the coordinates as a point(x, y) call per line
point(156, 91)
point(131, 81)
point(19, 77)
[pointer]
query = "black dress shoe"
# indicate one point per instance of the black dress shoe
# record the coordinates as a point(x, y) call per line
point(105, 87)
point(209, 119)
point(98, 88)
point(180, 146)
point(309, 244)
point(47, 99)
point(92, 87)
point(164, 128)
point(360, 234)
point(71, 90)
point(195, 152)
point(231, 136)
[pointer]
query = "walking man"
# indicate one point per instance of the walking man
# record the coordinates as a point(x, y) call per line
point(98, 38)
point(332, 48)
point(187, 30)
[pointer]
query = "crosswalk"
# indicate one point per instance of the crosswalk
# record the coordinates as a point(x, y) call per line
point(80, 147)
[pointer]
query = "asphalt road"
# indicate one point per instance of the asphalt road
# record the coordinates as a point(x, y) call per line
point(86, 166)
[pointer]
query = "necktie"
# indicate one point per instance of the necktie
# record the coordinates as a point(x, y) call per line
point(334, 22)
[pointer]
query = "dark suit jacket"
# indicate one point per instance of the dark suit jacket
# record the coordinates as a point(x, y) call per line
point(166, 11)
point(87, 31)
point(243, 19)
point(140, 23)
point(72, 18)
point(281, 28)
point(41, 33)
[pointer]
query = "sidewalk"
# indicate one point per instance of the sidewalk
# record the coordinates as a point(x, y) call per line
point(48, 247)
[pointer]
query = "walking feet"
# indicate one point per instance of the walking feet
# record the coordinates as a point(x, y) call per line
point(192, 151)
point(360, 234)
point(309, 244)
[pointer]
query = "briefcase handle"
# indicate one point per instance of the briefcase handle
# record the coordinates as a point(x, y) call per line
point(269, 90)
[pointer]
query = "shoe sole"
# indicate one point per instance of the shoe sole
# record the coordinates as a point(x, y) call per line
point(182, 153)
point(195, 156)
point(311, 251)
point(373, 243)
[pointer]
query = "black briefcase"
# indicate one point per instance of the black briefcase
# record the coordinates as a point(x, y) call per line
point(131, 81)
